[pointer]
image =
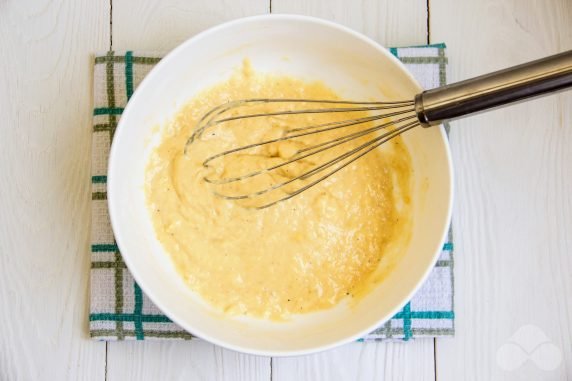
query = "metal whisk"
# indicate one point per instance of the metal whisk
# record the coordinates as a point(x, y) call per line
point(383, 122)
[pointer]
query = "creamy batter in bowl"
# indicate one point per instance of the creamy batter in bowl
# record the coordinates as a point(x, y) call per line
point(313, 50)
point(333, 242)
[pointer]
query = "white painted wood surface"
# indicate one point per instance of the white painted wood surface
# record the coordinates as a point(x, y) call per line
point(45, 138)
point(513, 212)
point(197, 360)
point(361, 362)
point(513, 209)
point(161, 25)
point(389, 22)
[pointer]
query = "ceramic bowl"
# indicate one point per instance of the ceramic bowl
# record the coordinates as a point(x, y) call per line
point(354, 66)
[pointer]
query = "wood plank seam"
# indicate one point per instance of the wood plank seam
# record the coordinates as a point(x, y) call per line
point(428, 23)
point(434, 350)
point(110, 24)
point(105, 363)
point(428, 27)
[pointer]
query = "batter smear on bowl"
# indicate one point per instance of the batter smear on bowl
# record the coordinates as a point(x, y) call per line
point(332, 242)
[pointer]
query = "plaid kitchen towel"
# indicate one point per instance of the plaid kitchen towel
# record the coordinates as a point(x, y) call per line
point(121, 311)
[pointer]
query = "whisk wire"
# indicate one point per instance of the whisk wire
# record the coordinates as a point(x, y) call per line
point(374, 143)
point(318, 148)
point(207, 120)
point(333, 127)
point(401, 115)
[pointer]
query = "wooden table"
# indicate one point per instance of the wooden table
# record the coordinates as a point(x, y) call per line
point(513, 207)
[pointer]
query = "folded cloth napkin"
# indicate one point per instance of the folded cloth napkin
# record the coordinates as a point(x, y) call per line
point(121, 311)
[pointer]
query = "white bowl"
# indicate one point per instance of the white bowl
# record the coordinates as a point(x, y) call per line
point(351, 64)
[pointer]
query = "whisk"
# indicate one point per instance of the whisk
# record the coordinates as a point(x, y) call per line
point(383, 122)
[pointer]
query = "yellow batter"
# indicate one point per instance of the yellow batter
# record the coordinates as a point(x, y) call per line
point(301, 255)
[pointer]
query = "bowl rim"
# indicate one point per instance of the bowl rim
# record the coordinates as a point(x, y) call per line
point(115, 146)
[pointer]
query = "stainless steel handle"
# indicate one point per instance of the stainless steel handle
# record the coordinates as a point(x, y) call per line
point(531, 79)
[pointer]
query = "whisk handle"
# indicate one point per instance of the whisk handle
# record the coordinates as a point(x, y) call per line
point(496, 89)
